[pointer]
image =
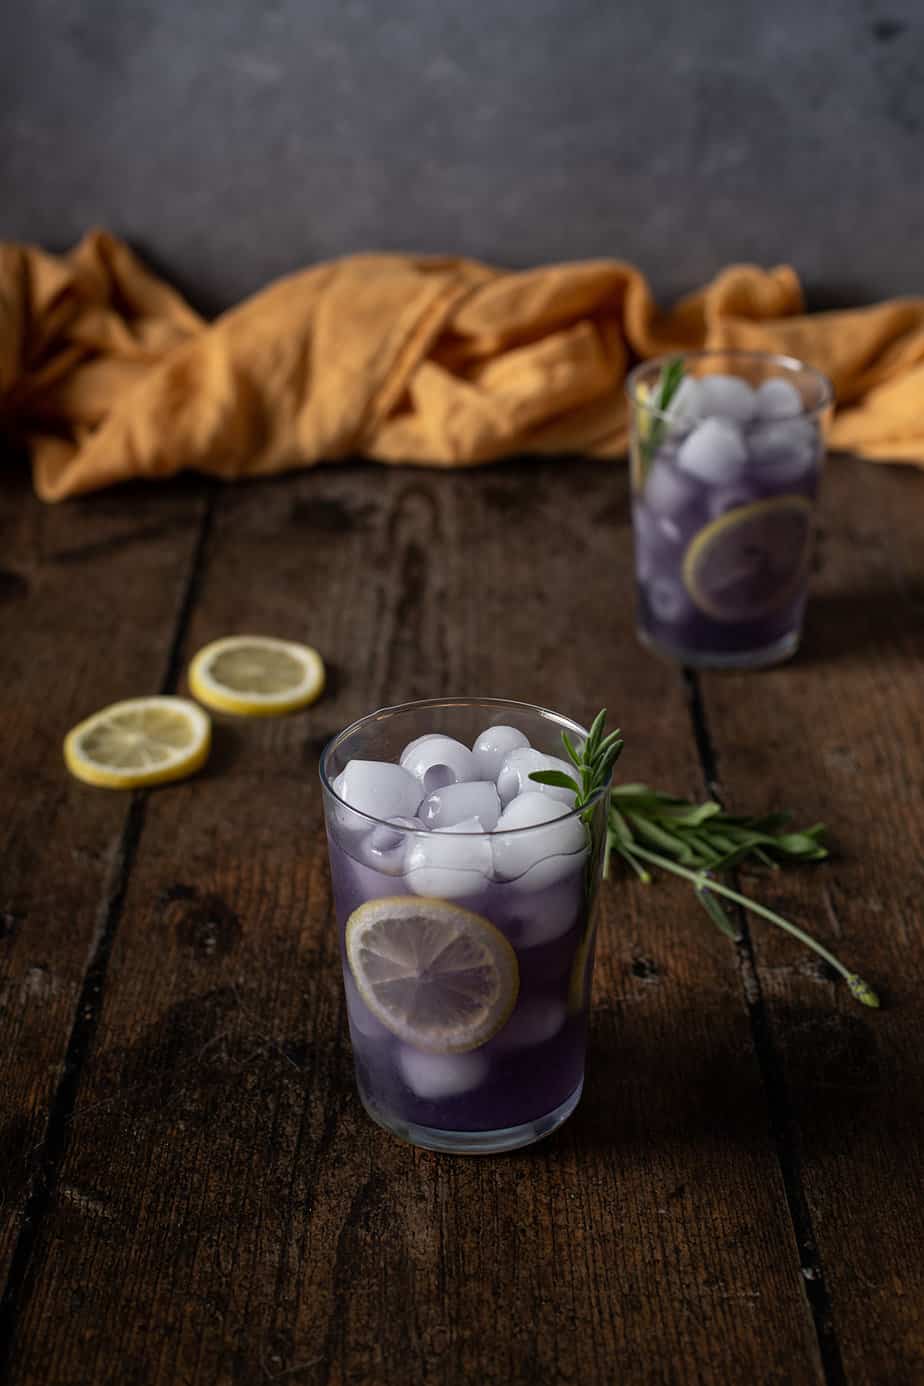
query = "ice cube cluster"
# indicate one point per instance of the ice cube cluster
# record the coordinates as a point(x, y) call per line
point(449, 818)
point(719, 427)
point(726, 446)
point(467, 824)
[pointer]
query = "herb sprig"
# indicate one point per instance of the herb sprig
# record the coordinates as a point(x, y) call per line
point(666, 388)
point(693, 841)
point(593, 763)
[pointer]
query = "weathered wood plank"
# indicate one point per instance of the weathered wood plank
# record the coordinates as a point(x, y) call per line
point(225, 1212)
point(839, 736)
point(89, 595)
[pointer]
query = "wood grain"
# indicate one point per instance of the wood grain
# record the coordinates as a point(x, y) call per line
point(841, 736)
point(224, 1211)
point(89, 598)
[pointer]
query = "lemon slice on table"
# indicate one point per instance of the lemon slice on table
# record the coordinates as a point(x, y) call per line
point(139, 742)
point(256, 676)
point(436, 975)
point(751, 560)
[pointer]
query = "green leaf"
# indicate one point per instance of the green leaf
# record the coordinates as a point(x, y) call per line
point(555, 777)
point(716, 912)
point(797, 844)
point(667, 387)
point(570, 751)
point(699, 842)
point(594, 735)
point(620, 828)
point(610, 742)
point(660, 837)
point(643, 875)
point(692, 815)
point(603, 768)
point(671, 377)
point(724, 842)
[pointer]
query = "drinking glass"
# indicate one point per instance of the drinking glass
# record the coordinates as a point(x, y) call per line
point(724, 476)
point(467, 953)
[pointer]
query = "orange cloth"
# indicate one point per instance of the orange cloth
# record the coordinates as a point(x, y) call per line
point(108, 374)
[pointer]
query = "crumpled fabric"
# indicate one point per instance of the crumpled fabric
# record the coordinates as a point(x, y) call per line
point(107, 374)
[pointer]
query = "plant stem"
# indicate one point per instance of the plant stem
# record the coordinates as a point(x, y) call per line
point(858, 988)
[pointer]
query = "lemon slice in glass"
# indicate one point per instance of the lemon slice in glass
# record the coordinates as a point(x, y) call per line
point(139, 742)
point(439, 977)
point(752, 560)
point(256, 676)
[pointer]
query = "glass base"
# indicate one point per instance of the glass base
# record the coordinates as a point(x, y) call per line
point(776, 653)
point(476, 1142)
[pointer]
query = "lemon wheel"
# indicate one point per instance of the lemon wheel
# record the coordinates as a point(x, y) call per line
point(438, 976)
point(256, 675)
point(750, 561)
point(141, 741)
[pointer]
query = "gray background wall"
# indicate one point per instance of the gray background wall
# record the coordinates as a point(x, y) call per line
point(233, 140)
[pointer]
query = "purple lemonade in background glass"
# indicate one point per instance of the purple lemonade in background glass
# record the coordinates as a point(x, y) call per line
point(726, 451)
point(464, 895)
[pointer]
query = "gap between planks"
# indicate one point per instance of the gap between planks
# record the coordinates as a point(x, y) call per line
point(38, 1205)
point(783, 1125)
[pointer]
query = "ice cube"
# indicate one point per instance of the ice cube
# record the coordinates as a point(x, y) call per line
point(784, 449)
point(492, 745)
point(472, 799)
point(714, 452)
point(771, 439)
point(377, 788)
point(549, 872)
point(669, 530)
point(513, 777)
point(668, 600)
point(535, 1020)
point(645, 541)
point(361, 1019)
point(358, 883)
point(386, 846)
point(451, 863)
point(547, 852)
point(432, 1076)
point(727, 396)
point(669, 493)
point(437, 760)
point(778, 399)
point(540, 914)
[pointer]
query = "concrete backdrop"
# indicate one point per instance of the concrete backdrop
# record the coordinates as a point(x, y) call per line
point(233, 140)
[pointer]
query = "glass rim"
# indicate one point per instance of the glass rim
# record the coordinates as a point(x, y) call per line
point(563, 723)
point(791, 364)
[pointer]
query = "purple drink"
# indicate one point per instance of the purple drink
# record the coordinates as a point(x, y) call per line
point(724, 478)
point(467, 953)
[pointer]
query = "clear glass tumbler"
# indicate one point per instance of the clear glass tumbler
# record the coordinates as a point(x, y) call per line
point(725, 455)
point(464, 896)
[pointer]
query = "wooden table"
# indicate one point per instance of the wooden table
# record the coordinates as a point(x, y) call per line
point(190, 1190)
